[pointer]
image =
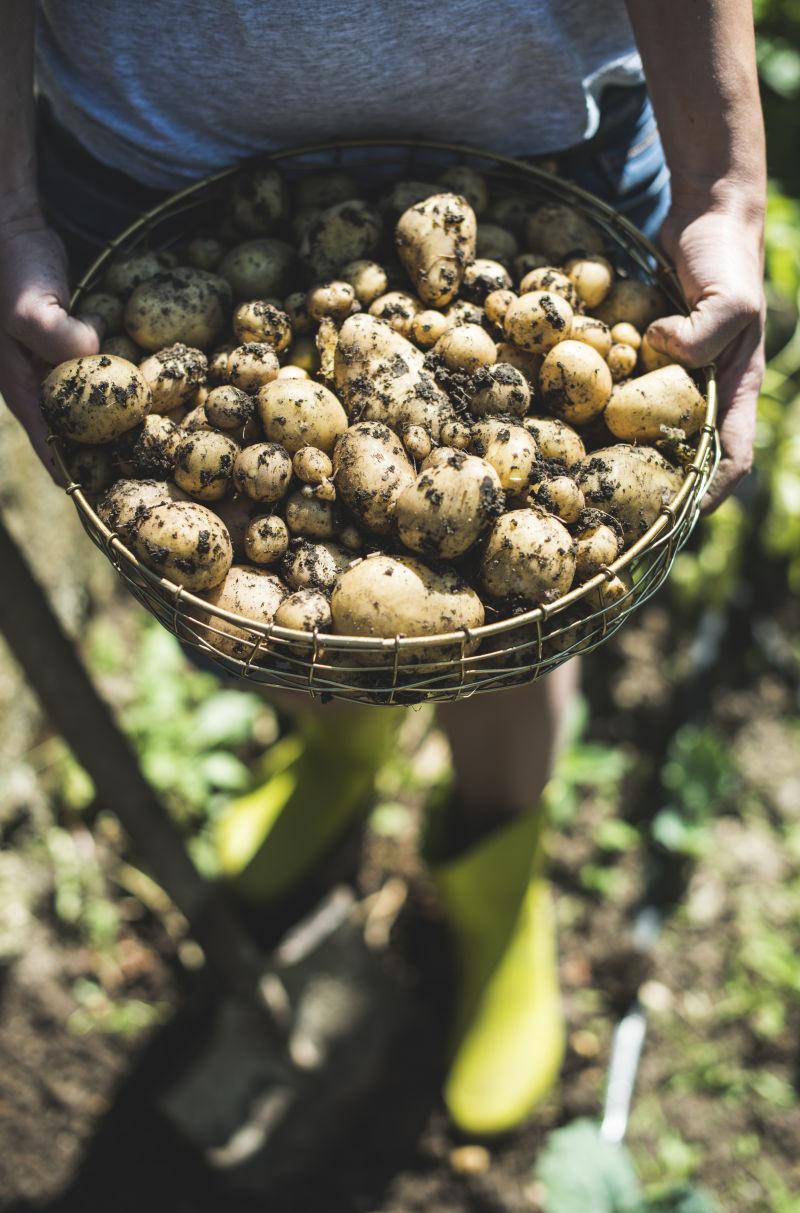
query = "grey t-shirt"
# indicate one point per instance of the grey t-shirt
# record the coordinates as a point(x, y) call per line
point(168, 92)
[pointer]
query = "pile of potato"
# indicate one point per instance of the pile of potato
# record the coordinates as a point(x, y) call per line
point(376, 416)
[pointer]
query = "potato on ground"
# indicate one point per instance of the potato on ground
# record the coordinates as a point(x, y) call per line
point(125, 504)
point(435, 240)
point(499, 389)
point(509, 449)
point(632, 483)
point(449, 506)
point(204, 464)
point(185, 543)
point(299, 412)
point(263, 472)
point(250, 592)
point(94, 399)
point(556, 440)
point(575, 382)
point(348, 231)
point(371, 470)
point(641, 408)
point(537, 321)
point(304, 611)
point(174, 374)
point(258, 269)
point(528, 555)
point(182, 305)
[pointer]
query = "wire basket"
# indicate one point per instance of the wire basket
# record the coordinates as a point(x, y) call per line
point(404, 670)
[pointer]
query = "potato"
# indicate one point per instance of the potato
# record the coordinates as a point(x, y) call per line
point(121, 347)
point(591, 332)
point(449, 506)
point(529, 555)
point(633, 484)
point(253, 365)
point(650, 358)
point(556, 440)
point(250, 592)
point(292, 372)
point(597, 545)
point(526, 363)
point(621, 361)
point(537, 321)
point(310, 517)
point(237, 512)
point(381, 376)
point(122, 277)
point(499, 389)
point(296, 308)
point(262, 472)
point(311, 465)
point(496, 304)
point(550, 278)
point(610, 597)
point(435, 240)
point(305, 611)
point(463, 312)
point(456, 434)
point(468, 182)
point(94, 399)
point(397, 308)
point(315, 566)
point(331, 299)
point(575, 382)
point(405, 194)
point(634, 302)
point(103, 307)
point(259, 321)
point(205, 253)
point(266, 539)
point(196, 419)
point(525, 262)
point(591, 276)
point(148, 450)
point(204, 464)
point(173, 375)
point(258, 269)
point(367, 278)
point(427, 327)
point(510, 212)
point(417, 442)
point(127, 502)
point(258, 200)
point(558, 230)
point(466, 347)
point(185, 543)
point(388, 596)
point(642, 407)
point(371, 471)
point(482, 277)
point(228, 407)
point(298, 413)
point(318, 190)
point(495, 243)
point(626, 334)
point(91, 467)
point(348, 231)
point(558, 495)
point(510, 450)
point(181, 305)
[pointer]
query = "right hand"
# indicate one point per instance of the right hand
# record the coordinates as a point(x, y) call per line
point(34, 324)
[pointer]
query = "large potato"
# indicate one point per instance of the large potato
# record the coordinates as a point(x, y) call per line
point(575, 382)
point(633, 484)
point(250, 592)
point(371, 471)
point(528, 555)
point(182, 305)
point(299, 412)
point(185, 543)
point(257, 269)
point(435, 240)
point(640, 408)
point(95, 399)
point(449, 506)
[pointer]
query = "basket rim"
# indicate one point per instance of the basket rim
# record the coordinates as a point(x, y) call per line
point(658, 532)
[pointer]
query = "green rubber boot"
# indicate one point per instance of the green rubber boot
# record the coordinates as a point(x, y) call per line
point(317, 781)
point(508, 1034)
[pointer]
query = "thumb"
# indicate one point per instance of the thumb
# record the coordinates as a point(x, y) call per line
point(699, 338)
point(45, 328)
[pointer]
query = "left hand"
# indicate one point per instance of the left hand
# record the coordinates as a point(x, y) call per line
point(718, 254)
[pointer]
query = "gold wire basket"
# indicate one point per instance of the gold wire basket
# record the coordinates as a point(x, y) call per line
point(404, 670)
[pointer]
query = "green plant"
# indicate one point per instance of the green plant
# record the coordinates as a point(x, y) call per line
point(698, 776)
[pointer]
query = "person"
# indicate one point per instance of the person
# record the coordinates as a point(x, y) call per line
point(137, 99)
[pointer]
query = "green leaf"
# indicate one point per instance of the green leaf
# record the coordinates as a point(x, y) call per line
point(580, 1171)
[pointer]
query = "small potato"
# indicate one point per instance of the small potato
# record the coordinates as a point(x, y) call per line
point(205, 253)
point(312, 465)
point(258, 200)
point(466, 181)
point(591, 332)
point(496, 304)
point(397, 308)
point(482, 277)
point(556, 440)
point(122, 277)
point(367, 278)
point(127, 502)
point(92, 468)
point(196, 419)
point(558, 230)
point(298, 413)
point(650, 358)
point(509, 449)
point(122, 347)
point(310, 517)
point(174, 374)
point(228, 407)
point(637, 303)
point(633, 484)
point(596, 546)
point(304, 611)
point(550, 278)
point(611, 595)
point(253, 365)
point(262, 472)
point(347, 231)
point(94, 399)
point(148, 450)
point(417, 442)
point(262, 322)
point(218, 363)
point(621, 361)
point(592, 278)
point(558, 495)
point(529, 555)
point(266, 539)
point(104, 307)
point(427, 327)
point(182, 305)
point(537, 321)
point(463, 312)
point(626, 334)
point(456, 434)
point(522, 360)
point(315, 566)
point(466, 347)
point(449, 505)
point(371, 470)
point(258, 269)
point(495, 243)
point(642, 407)
point(331, 299)
point(575, 382)
point(185, 543)
point(350, 537)
point(250, 592)
point(204, 464)
point(499, 389)
point(525, 262)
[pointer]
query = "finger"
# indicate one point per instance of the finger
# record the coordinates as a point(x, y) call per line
point(41, 324)
point(699, 338)
point(19, 387)
point(738, 383)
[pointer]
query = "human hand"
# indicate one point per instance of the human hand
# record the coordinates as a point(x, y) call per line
point(718, 254)
point(34, 324)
